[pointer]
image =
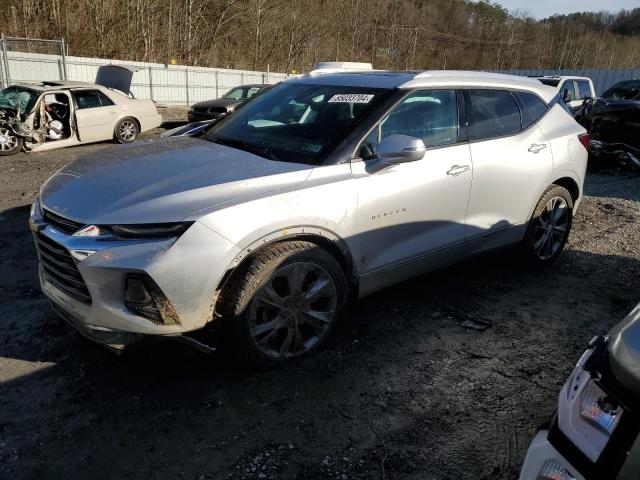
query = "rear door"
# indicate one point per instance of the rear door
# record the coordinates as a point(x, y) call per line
point(510, 163)
point(95, 114)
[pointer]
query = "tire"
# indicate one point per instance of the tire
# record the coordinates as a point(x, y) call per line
point(549, 227)
point(10, 143)
point(282, 304)
point(127, 130)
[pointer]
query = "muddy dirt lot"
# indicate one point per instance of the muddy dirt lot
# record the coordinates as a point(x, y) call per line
point(406, 390)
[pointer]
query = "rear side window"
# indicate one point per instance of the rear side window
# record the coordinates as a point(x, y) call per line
point(104, 100)
point(584, 90)
point(534, 107)
point(91, 99)
point(495, 113)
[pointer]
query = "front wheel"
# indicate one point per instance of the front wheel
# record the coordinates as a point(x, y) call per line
point(549, 227)
point(283, 303)
point(10, 143)
point(127, 130)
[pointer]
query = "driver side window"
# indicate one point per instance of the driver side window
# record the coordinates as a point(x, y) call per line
point(431, 115)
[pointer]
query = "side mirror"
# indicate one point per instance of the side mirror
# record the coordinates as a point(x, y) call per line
point(565, 95)
point(400, 149)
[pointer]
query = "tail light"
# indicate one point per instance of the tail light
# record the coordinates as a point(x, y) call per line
point(585, 140)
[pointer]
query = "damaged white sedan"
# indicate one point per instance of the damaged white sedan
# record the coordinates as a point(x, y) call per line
point(35, 117)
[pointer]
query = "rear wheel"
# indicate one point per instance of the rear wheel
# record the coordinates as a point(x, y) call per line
point(549, 227)
point(127, 130)
point(10, 143)
point(283, 304)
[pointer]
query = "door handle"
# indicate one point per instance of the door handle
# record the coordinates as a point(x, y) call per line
point(536, 147)
point(458, 170)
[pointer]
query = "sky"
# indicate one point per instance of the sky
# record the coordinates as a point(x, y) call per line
point(545, 8)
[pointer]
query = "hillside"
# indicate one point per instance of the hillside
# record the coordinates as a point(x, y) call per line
point(282, 35)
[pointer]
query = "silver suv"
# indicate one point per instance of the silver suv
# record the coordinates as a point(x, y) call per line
point(328, 186)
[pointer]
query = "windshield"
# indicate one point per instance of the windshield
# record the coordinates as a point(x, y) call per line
point(234, 94)
point(18, 98)
point(624, 91)
point(296, 122)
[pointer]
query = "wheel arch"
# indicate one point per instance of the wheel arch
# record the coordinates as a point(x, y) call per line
point(326, 239)
point(571, 185)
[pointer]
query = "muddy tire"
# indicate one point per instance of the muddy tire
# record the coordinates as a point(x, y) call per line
point(282, 304)
point(10, 143)
point(549, 227)
point(127, 130)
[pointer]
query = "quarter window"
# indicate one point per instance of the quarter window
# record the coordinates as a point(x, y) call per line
point(495, 113)
point(535, 108)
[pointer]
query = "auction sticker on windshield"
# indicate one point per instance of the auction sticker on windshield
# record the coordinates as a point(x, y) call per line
point(351, 98)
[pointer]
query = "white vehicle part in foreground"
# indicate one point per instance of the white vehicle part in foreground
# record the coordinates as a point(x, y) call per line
point(580, 417)
point(544, 462)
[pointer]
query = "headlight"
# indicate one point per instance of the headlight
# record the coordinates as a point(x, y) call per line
point(598, 409)
point(150, 230)
point(586, 415)
point(553, 470)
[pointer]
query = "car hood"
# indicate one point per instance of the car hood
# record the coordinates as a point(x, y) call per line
point(164, 180)
point(228, 103)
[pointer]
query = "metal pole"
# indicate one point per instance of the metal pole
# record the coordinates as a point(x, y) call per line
point(7, 73)
point(186, 82)
point(64, 59)
point(217, 91)
point(60, 70)
point(150, 83)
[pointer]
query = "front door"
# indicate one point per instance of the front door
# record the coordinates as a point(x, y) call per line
point(408, 210)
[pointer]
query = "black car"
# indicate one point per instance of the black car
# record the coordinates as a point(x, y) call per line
point(218, 108)
point(613, 121)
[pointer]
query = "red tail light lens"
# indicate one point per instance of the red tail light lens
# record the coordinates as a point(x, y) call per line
point(585, 140)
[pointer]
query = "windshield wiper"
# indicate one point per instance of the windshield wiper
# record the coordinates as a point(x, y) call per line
point(247, 147)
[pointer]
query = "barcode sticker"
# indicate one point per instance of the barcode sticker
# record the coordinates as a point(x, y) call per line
point(351, 98)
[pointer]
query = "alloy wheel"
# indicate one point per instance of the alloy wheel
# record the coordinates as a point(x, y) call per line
point(293, 310)
point(551, 228)
point(128, 130)
point(8, 141)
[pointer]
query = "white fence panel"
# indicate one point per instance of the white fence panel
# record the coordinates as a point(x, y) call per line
point(166, 84)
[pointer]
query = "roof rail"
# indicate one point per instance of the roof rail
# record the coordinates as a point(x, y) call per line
point(337, 67)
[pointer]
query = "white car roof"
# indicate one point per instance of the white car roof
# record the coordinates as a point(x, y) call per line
point(430, 78)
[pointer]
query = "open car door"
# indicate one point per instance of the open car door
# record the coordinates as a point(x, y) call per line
point(117, 77)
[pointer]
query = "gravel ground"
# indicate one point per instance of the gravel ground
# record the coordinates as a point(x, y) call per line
point(445, 376)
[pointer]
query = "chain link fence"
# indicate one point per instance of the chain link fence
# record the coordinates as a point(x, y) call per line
point(46, 60)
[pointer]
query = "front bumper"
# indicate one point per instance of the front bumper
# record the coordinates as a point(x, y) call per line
point(187, 270)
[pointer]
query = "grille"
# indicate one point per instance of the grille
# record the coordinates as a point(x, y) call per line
point(63, 224)
point(60, 269)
